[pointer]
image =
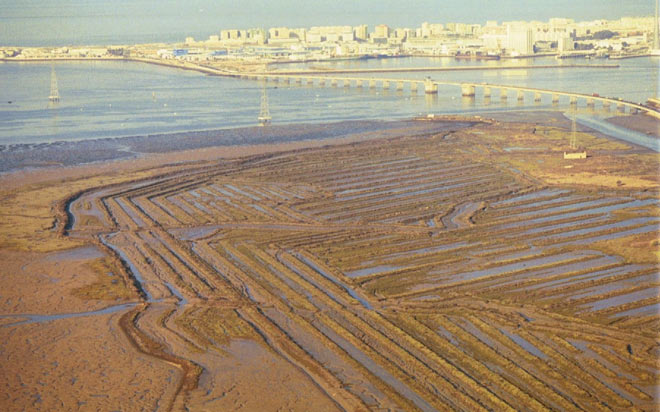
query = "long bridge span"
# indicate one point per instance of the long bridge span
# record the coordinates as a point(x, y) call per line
point(430, 86)
point(467, 89)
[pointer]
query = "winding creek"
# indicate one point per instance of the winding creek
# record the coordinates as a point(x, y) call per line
point(25, 319)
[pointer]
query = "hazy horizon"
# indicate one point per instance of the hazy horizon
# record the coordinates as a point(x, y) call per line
point(63, 22)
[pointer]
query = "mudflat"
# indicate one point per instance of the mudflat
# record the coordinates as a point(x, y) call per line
point(638, 122)
point(438, 264)
point(71, 153)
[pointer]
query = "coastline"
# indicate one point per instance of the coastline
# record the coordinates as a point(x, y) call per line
point(178, 64)
point(219, 143)
point(107, 155)
point(454, 68)
point(277, 75)
point(352, 233)
point(181, 64)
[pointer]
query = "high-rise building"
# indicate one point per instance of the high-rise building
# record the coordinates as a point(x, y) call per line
point(330, 34)
point(381, 31)
point(361, 32)
point(565, 44)
point(520, 40)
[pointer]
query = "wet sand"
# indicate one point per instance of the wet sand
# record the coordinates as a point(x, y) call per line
point(638, 122)
point(260, 312)
point(70, 153)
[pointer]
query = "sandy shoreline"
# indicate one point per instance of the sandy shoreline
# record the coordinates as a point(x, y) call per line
point(29, 163)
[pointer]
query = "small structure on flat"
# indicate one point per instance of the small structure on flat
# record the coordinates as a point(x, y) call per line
point(574, 154)
point(54, 95)
point(264, 114)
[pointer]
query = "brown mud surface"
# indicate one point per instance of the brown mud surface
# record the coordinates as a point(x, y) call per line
point(71, 153)
point(638, 122)
point(456, 264)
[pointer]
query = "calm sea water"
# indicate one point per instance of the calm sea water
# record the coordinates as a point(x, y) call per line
point(111, 99)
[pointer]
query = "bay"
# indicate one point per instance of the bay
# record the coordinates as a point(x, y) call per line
point(112, 99)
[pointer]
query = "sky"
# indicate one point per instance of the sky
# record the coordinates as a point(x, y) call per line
point(53, 22)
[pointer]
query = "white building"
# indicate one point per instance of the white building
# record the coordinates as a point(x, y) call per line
point(330, 34)
point(494, 42)
point(361, 32)
point(241, 37)
point(550, 33)
point(565, 44)
point(520, 40)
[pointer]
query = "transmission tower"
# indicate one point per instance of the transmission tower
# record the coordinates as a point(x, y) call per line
point(573, 132)
point(54, 95)
point(264, 114)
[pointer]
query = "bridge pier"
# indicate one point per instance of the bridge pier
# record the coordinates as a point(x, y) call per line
point(537, 96)
point(555, 98)
point(467, 90)
point(520, 95)
point(386, 85)
point(487, 92)
point(590, 102)
point(347, 83)
point(504, 94)
point(333, 83)
point(430, 87)
point(573, 100)
point(372, 84)
point(287, 80)
point(359, 84)
point(310, 81)
point(399, 86)
point(620, 107)
point(606, 105)
point(298, 80)
point(322, 82)
point(413, 87)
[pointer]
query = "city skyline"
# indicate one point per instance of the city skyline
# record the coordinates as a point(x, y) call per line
point(74, 22)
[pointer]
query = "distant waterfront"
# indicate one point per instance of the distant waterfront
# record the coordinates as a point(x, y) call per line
point(111, 99)
point(39, 23)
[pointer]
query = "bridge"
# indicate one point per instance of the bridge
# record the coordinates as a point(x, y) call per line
point(467, 89)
